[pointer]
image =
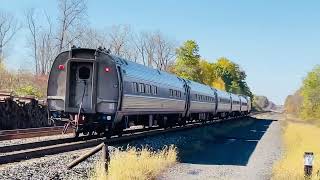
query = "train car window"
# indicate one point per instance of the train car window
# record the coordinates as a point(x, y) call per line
point(179, 94)
point(154, 90)
point(141, 88)
point(175, 93)
point(135, 87)
point(171, 92)
point(148, 89)
point(196, 96)
point(84, 72)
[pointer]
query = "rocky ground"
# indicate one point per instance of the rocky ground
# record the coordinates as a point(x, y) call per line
point(238, 149)
point(249, 154)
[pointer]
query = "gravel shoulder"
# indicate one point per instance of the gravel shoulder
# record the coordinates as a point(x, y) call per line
point(258, 166)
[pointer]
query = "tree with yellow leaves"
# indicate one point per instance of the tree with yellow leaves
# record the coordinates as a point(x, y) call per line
point(224, 74)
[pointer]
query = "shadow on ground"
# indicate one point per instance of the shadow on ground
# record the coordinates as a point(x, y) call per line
point(226, 143)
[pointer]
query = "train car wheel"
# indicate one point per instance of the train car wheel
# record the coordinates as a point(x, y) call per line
point(76, 134)
point(120, 134)
point(107, 134)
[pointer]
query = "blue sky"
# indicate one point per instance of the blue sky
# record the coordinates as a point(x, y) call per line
point(275, 42)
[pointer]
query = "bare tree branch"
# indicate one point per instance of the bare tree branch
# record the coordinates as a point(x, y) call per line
point(72, 13)
point(8, 28)
point(42, 40)
point(33, 29)
point(119, 38)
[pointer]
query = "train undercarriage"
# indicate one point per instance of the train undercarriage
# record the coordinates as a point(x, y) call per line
point(102, 125)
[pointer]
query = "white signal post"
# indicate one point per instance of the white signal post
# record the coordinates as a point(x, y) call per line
point(308, 163)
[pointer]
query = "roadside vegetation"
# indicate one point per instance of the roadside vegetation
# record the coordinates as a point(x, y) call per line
point(135, 164)
point(22, 83)
point(301, 129)
point(305, 102)
point(262, 103)
point(298, 138)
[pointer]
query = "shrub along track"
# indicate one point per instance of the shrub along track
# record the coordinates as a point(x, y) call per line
point(15, 153)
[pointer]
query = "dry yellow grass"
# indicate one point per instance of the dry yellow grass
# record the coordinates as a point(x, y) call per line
point(298, 138)
point(136, 164)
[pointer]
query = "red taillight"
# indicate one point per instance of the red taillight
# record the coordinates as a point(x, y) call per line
point(61, 67)
point(107, 69)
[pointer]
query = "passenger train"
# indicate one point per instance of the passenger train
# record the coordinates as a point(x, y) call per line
point(93, 91)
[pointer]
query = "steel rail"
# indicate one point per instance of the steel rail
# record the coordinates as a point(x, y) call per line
point(30, 133)
point(16, 156)
point(21, 152)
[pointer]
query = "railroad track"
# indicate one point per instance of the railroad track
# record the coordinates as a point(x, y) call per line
point(30, 132)
point(15, 153)
point(21, 152)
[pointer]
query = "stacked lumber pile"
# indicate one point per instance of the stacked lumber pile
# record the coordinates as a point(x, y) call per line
point(21, 112)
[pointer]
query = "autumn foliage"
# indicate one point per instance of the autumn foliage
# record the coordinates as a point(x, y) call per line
point(222, 74)
point(306, 101)
point(23, 83)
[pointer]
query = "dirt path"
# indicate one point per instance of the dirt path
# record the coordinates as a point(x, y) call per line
point(248, 153)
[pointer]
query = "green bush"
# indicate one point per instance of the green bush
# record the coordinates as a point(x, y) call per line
point(310, 93)
point(29, 90)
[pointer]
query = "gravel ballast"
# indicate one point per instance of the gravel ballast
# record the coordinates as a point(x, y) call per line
point(238, 149)
point(260, 160)
point(52, 167)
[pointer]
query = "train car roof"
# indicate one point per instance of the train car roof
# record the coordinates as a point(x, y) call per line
point(235, 96)
point(244, 98)
point(223, 94)
point(201, 88)
point(144, 73)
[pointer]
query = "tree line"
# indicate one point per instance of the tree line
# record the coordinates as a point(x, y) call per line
point(222, 74)
point(46, 39)
point(306, 101)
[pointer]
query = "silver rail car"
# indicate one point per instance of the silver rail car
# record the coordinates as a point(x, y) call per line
point(93, 91)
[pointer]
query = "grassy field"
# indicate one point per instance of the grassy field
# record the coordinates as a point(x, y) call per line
point(136, 164)
point(298, 138)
